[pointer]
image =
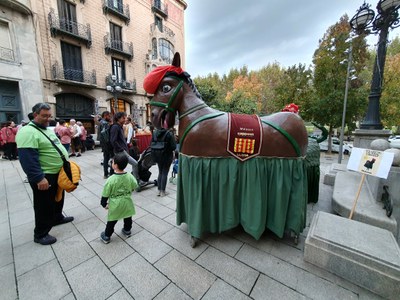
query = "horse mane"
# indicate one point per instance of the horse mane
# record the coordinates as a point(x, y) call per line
point(186, 76)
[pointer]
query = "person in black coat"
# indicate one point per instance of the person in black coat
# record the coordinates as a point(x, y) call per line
point(163, 158)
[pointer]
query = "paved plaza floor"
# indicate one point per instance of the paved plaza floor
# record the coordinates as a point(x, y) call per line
point(157, 261)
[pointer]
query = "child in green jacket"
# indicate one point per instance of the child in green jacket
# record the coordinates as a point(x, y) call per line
point(117, 198)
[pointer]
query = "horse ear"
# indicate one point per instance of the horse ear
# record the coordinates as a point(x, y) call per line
point(176, 62)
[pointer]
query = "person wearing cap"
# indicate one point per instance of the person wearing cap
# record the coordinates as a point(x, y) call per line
point(42, 163)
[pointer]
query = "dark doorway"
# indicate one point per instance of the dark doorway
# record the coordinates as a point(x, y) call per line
point(10, 104)
point(75, 106)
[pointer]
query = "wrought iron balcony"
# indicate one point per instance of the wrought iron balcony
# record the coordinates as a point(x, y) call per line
point(66, 27)
point(117, 8)
point(6, 54)
point(127, 86)
point(73, 76)
point(166, 31)
point(118, 47)
point(159, 8)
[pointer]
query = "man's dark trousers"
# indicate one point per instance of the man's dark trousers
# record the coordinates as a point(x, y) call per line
point(107, 155)
point(47, 210)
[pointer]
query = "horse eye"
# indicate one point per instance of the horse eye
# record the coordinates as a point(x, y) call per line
point(166, 88)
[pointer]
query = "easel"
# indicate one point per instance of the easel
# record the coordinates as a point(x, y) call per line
point(358, 160)
point(357, 196)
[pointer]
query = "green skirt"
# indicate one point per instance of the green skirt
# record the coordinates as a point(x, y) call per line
point(218, 194)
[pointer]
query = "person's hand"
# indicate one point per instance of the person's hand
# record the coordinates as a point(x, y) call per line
point(43, 185)
point(106, 206)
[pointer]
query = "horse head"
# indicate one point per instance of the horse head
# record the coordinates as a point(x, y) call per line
point(167, 84)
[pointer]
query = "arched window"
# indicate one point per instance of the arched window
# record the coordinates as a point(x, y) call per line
point(166, 51)
point(154, 49)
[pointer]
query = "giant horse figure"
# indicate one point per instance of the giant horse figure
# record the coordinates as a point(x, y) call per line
point(216, 190)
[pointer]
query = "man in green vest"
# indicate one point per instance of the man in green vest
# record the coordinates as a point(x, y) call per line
point(42, 163)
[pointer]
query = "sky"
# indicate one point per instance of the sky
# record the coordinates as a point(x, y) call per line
point(225, 34)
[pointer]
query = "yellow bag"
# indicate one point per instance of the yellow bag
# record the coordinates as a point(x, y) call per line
point(68, 178)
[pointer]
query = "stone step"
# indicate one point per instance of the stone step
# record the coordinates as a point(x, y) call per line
point(360, 253)
point(368, 210)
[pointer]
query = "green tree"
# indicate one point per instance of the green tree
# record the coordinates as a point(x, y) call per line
point(271, 77)
point(296, 87)
point(330, 77)
point(240, 103)
point(245, 96)
point(390, 99)
point(209, 88)
point(394, 47)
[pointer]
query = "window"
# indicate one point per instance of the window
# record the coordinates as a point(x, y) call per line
point(158, 23)
point(72, 62)
point(117, 5)
point(154, 48)
point(157, 3)
point(116, 36)
point(166, 50)
point(118, 69)
point(67, 14)
point(6, 52)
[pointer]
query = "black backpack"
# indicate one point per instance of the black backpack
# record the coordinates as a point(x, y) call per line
point(158, 146)
point(105, 132)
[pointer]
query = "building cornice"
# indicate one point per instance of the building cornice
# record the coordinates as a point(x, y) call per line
point(18, 5)
point(183, 3)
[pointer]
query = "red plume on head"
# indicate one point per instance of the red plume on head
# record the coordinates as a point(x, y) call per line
point(153, 79)
point(291, 108)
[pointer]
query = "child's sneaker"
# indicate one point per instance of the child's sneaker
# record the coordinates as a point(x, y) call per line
point(126, 233)
point(104, 238)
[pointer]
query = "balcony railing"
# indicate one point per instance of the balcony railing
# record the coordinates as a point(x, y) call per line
point(168, 33)
point(73, 76)
point(127, 86)
point(118, 47)
point(117, 8)
point(6, 54)
point(63, 26)
point(159, 8)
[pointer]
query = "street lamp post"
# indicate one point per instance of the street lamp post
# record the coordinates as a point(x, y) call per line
point(345, 102)
point(115, 88)
point(365, 21)
point(138, 112)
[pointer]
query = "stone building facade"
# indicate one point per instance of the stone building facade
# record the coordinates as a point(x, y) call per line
point(92, 52)
point(20, 81)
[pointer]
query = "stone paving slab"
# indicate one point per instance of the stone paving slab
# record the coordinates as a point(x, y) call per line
point(172, 292)
point(221, 290)
point(32, 286)
point(295, 278)
point(186, 274)
point(274, 290)
point(7, 282)
point(72, 252)
point(92, 280)
point(148, 246)
point(228, 269)
point(139, 277)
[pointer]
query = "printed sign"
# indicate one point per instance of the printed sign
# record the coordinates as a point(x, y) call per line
point(370, 162)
